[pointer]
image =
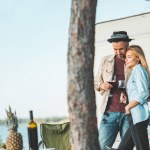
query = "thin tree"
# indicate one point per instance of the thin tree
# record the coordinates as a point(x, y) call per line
point(81, 95)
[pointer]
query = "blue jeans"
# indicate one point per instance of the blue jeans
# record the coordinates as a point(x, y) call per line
point(111, 124)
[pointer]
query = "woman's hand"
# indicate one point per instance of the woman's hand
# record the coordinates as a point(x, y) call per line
point(127, 110)
point(132, 104)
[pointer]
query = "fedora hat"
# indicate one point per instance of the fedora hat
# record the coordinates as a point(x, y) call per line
point(119, 36)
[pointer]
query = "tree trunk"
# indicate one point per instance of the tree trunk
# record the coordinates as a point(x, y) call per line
point(81, 95)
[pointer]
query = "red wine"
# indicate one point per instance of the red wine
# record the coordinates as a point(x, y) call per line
point(121, 88)
point(32, 133)
point(111, 82)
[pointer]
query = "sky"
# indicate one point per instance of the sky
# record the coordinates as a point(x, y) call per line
point(33, 52)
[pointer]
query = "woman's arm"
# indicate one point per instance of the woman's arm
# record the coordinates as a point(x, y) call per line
point(141, 80)
point(132, 104)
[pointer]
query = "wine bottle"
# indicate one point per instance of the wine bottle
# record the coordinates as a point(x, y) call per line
point(32, 133)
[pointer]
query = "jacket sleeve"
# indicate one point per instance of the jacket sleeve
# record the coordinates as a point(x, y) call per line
point(142, 83)
point(99, 77)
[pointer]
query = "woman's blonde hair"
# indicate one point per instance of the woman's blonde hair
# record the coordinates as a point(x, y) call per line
point(138, 51)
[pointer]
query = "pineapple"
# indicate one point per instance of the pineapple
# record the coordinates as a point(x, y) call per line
point(14, 139)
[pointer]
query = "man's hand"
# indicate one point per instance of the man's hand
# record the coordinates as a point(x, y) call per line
point(106, 86)
point(123, 98)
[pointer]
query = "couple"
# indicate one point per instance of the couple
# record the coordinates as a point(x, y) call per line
point(124, 111)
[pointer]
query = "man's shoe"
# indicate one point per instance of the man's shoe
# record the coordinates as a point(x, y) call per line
point(109, 148)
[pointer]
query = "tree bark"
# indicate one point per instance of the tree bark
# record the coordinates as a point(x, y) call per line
point(81, 95)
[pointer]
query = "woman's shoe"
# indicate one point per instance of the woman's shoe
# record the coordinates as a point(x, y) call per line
point(109, 148)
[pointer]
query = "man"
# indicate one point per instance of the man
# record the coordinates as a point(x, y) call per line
point(112, 68)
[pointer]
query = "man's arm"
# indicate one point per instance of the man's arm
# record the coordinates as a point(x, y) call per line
point(100, 84)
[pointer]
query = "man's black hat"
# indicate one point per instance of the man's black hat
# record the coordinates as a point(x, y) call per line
point(119, 36)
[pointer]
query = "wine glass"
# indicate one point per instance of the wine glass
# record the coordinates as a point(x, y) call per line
point(122, 86)
point(112, 82)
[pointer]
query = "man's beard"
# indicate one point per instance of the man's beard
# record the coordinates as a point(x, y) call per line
point(122, 56)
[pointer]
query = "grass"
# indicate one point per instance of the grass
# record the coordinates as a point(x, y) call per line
point(1, 143)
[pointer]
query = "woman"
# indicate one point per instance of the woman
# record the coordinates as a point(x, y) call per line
point(137, 109)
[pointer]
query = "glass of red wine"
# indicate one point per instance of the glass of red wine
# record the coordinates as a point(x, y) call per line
point(121, 86)
point(112, 82)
